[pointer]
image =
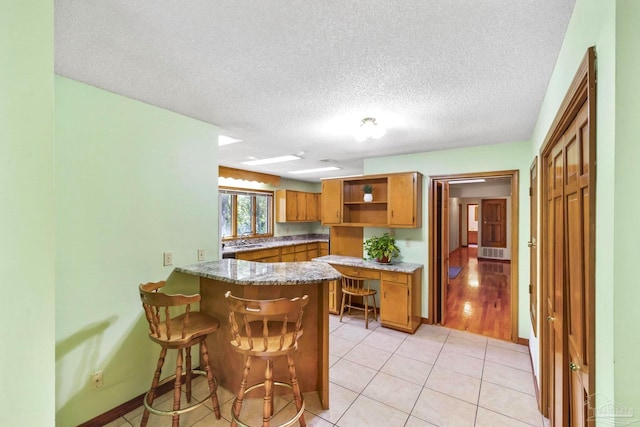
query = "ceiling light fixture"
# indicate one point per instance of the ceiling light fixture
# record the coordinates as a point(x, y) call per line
point(226, 140)
point(467, 181)
point(325, 169)
point(270, 160)
point(369, 129)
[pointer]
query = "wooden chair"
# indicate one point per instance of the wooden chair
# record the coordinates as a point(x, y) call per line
point(179, 332)
point(356, 286)
point(266, 329)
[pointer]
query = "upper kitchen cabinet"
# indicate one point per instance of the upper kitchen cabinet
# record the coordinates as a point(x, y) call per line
point(296, 206)
point(331, 201)
point(405, 200)
point(397, 201)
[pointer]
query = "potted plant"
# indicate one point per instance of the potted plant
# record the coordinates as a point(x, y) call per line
point(368, 190)
point(382, 249)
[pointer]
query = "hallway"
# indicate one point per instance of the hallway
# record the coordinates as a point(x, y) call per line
point(478, 299)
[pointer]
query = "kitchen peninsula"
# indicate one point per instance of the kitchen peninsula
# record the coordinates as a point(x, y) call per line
point(256, 280)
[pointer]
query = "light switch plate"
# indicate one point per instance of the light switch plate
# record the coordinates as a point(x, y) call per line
point(168, 258)
point(200, 254)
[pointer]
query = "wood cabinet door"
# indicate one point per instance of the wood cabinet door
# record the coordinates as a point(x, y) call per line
point(333, 302)
point(402, 200)
point(311, 200)
point(331, 201)
point(301, 206)
point(394, 304)
point(292, 205)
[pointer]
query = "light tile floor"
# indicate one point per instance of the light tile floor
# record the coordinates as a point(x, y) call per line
point(385, 378)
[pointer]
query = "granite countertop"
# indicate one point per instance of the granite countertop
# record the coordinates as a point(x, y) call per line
point(233, 249)
point(259, 273)
point(401, 267)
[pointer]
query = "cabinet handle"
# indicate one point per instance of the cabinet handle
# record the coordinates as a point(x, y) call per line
point(573, 366)
point(391, 213)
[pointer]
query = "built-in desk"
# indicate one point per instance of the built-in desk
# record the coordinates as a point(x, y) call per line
point(256, 280)
point(400, 289)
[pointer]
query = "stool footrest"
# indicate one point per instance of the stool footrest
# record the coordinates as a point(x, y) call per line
point(287, 423)
point(181, 410)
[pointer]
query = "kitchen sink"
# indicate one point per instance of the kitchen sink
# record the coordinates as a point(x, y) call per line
point(253, 245)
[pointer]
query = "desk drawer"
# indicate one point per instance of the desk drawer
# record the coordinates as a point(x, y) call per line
point(357, 272)
point(392, 276)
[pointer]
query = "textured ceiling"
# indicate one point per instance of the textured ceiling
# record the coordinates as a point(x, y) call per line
point(299, 75)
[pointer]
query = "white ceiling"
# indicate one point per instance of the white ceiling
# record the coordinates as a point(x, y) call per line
point(299, 75)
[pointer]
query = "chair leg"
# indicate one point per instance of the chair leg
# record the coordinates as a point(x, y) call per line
point(243, 385)
point(213, 385)
point(297, 396)
point(188, 375)
point(267, 409)
point(366, 311)
point(177, 389)
point(342, 306)
point(154, 385)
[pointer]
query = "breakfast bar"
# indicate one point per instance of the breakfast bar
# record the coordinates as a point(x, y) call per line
point(254, 280)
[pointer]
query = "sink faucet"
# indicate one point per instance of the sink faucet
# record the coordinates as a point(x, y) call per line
point(243, 238)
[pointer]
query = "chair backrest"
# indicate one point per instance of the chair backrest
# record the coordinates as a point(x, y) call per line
point(157, 310)
point(353, 284)
point(265, 325)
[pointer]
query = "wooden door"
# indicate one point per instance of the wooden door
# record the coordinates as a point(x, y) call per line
point(555, 290)
point(533, 250)
point(444, 232)
point(578, 262)
point(494, 223)
point(401, 194)
point(436, 232)
point(568, 224)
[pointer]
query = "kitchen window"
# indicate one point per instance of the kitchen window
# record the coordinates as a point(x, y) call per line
point(245, 213)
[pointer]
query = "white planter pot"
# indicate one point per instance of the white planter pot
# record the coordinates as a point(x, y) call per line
point(368, 197)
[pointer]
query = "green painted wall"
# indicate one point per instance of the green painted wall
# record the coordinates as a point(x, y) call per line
point(626, 316)
point(26, 213)
point(132, 181)
point(414, 243)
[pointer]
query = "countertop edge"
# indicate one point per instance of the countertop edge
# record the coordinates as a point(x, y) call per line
point(402, 267)
point(242, 272)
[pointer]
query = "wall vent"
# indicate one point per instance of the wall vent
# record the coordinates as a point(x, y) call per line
point(493, 253)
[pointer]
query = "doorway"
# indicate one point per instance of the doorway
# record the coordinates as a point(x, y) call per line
point(504, 275)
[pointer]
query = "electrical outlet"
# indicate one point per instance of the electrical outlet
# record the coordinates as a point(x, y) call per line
point(200, 254)
point(168, 258)
point(96, 380)
point(407, 243)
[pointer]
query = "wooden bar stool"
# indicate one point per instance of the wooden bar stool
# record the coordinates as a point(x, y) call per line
point(266, 329)
point(356, 286)
point(179, 332)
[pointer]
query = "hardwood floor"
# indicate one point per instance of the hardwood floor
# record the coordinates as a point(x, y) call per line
point(478, 299)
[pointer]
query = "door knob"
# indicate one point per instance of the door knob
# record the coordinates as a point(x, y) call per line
point(573, 366)
point(551, 319)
